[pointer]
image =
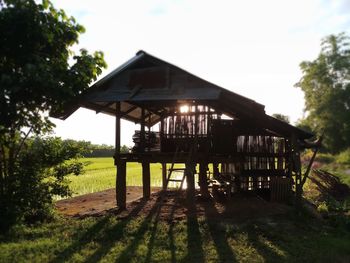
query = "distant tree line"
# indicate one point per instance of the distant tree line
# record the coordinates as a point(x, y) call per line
point(98, 150)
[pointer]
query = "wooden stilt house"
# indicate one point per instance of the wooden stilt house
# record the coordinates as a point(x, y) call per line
point(198, 124)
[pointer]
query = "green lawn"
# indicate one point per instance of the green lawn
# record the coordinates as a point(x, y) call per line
point(147, 239)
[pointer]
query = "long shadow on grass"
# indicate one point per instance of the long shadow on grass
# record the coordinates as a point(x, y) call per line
point(218, 233)
point(153, 233)
point(171, 230)
point(256, 237)
point(194, 240)
point(116, 232)
point(100, 228)
point(127, 254)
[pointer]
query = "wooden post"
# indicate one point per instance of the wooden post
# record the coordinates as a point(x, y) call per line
point(121, 164)
point(164, 176)
point(146, 180)
point(161, 133)
point(216, 171)
point(149, 131)
point(117, 128)
point(121, 184)
point(203, 184)
point(190, 182)
point(142, 131)
point(296, 167)
point(196, 124)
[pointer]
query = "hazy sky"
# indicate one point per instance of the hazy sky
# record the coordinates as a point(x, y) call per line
point(250, 47)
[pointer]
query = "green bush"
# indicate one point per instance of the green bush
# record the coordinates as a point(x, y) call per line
point(320, 157)
point(323, 208)
point(39, 175)
point(344, 157)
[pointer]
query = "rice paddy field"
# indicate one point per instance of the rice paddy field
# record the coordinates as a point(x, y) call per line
point(100, 174)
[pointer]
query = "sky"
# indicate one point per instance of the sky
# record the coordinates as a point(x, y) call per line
point(253, 48)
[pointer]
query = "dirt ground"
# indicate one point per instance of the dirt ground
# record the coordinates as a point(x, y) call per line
point(96, 203)
point(171, 205)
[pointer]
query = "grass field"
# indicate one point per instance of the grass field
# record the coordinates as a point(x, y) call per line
point(100, 175)
point(147, 239)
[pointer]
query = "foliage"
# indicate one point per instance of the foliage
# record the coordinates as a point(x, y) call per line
point(326, 86)
point(39, 75)
point(124, 149)
point(344, 157)
point(281, 117)
point(324, 158)
point(99, 150)
point(40, 173)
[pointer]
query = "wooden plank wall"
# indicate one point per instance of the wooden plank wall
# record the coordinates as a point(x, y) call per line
point(280, 188)
point(196, 121)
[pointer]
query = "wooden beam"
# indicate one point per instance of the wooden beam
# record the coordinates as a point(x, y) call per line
point(161, 134)
point(203, 182)
point(149, 134)
point(102, 107)
point(146, 180)
point(121, 165)
point(190, 182)
point(306, 174)
point(296, 168)
point(124, 113)
point(142, 130)
point(121, 184)
point(109, 111)
point(164, 177)
point(117, 128)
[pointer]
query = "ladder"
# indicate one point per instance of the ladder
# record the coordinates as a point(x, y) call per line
point(185, 170)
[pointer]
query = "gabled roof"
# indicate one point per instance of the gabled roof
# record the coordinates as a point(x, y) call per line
point(151, 83)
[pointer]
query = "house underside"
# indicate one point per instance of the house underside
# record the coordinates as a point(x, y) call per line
point(185, 119)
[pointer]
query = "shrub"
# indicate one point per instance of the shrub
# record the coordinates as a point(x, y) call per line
point(39, 175)
point(344, 157)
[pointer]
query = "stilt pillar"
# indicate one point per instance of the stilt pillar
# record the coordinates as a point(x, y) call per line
point(120, 181)
point(121, 184)
point(164, 177)
point(203, 182)
point(216, 171)
point(190, 183)
point(296, 168)
point(146, 180)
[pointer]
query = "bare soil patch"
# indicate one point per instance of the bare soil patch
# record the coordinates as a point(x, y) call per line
point(96, 203)
point(171, 206)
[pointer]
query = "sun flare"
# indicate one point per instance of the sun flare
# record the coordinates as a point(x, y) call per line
point(184, 108)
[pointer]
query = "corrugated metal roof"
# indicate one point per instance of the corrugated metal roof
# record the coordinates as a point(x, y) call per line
point(152, 83)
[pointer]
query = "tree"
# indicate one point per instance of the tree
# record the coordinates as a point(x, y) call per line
point(281, 117)
point(326, 86)
point(40, 174)
point(124, 149)
point(40, 74)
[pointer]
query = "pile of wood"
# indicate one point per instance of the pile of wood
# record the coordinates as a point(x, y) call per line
point(328, 184)
point(151, 142)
